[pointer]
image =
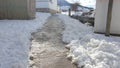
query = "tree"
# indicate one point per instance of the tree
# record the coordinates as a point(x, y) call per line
point(74, 6)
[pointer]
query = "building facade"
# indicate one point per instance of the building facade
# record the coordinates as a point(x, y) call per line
point(47, 6)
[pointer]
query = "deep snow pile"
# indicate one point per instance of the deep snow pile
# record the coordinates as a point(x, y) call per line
point(95, 54)
point(15, 40)
point(90, 50)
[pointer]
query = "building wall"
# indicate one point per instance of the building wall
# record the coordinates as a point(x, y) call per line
point(53, 6)
point(101, 15)
point(31, 9)
point(115, 23)
point(17, 9)
point(42, 4)
point(46, 6)
point(3, 9)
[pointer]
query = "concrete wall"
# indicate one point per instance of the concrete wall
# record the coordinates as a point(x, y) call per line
point(53, 5)
point(47, 6)
point(17, 9)
point(31, 9)
point(101, 15)
point(42, 3)
point(115, 23)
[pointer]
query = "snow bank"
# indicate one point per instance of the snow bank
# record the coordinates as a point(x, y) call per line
point(14, 40)
point(90, 50)
point(95, 54)
point(65, 8)
point(77, 13)
point(73, 29)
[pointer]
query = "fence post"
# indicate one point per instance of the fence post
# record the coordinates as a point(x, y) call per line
point(69, 12)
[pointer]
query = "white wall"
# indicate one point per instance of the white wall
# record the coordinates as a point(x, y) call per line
point(42, 3)
point(101, 15)
point(115, 23)
point(53, 5)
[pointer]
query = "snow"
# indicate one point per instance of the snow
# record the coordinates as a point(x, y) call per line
point(95, 54)
point(87, 49)
point(77, 13)
point(15, 40)
point(81, 11)
point(65, 8)
point(73, 29)
point(65, 11)
point(84, 9)
point(88, 3)
point(93, 14)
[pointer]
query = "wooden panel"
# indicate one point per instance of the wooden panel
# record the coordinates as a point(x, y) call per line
point(17, 9)
point(3, 10)
point(31, 8)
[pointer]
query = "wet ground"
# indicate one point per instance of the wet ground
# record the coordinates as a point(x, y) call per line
point(47, 49)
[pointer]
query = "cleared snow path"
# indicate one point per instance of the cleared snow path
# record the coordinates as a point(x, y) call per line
point(48, 50)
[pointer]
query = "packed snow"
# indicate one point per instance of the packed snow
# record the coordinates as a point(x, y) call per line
point(15, 40)
point(78, 14)
point(87, 49)
point(65, 8)
point(81, 10)
point(73, 29)
point(87, 3)
point(95, 54)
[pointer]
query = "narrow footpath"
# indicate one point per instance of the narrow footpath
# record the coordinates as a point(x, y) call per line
point(48, 50)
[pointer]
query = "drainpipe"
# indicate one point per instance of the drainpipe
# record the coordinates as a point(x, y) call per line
point(109, 17)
